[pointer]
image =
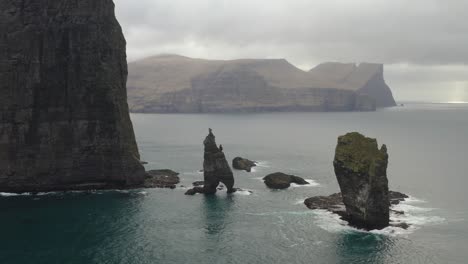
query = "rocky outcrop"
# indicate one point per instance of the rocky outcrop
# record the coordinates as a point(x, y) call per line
point(215, 169)
point(162, 179)
point(361, 171)
point(334, 203)
point(64, 121)
point(176, 84)
point(239, 163)
point(279, 180)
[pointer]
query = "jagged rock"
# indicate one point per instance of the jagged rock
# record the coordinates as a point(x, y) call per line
point(239, 163)
point(64, 121)
point(279, 180)
point(195, 190)
point(335, 201)
point(198, 183)
point(396, 197)
point(215, 168)
point(162, 179)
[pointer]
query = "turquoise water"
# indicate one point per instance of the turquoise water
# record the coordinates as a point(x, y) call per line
point(427, 144)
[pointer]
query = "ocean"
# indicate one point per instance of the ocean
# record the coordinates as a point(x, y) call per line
point(427, 146)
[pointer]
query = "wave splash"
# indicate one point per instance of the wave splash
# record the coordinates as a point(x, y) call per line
point(415, 216)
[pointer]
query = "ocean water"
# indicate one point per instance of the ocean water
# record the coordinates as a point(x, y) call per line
point(428, 148)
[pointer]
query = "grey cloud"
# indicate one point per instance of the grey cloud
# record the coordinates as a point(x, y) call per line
point(306, 32)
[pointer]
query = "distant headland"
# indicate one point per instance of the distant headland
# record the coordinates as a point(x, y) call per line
point(178, 84)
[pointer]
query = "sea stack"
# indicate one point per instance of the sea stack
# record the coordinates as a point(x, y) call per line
point(361, 171)
point(64, 121)
point(215, 168)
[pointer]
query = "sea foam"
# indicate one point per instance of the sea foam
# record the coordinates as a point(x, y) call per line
point(416, 217)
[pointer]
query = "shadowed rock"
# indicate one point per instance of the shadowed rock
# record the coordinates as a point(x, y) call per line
point(162, 179)
point(279, 180)
point(64, 121)
point(215, 169)
point(239, 163)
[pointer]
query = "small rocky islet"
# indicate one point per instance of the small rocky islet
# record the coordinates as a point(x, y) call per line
point(279, 180)
point(240, 163)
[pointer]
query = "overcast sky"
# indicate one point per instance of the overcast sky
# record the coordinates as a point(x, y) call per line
point(423, 43)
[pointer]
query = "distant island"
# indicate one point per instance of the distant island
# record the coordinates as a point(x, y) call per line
point(178, 84)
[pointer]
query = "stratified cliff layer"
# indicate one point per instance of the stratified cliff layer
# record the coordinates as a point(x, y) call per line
point(64, 121)
point(171, 83)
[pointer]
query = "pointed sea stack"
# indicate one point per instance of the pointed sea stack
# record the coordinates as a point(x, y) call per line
point(215, 169)
point(361, 170)
point(64, 121)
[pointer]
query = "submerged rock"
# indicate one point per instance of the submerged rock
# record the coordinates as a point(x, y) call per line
point(64, 121)
point(215, 168)
point(361, 171)
point(279, 180)
point(335, 201)
point(198, 183)
point(162, 179)
point(239, 163)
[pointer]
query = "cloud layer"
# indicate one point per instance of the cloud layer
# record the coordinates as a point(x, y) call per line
point(418, 39)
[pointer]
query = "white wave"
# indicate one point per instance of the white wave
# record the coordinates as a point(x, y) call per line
point(300, 201)
point(257, 178)
point(407, 208)
point(4, 194)
point(412, 199)
point(48, 193)
point(331, 222)
point(198, 172)
point(311, 182)
point(243, 192)
point(262, 164)
point(416, 217)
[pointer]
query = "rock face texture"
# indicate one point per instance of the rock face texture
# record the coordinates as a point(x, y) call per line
point(162, 179)
point(279, 180)
point(239, 163)
point(215, 169)
point(64, 121)
point(361, 171)
point(177, 84)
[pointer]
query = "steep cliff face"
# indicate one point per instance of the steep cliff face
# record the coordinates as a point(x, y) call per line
point(64, 121)
point(173, 83)
point(376, 88)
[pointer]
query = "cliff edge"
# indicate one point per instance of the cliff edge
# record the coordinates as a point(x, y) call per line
point(173, 84)
point(64, 121)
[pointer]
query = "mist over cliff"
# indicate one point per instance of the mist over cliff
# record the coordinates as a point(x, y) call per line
point(173, 83)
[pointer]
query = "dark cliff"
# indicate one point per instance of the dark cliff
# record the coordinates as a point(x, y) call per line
point(64, 121)
point(170, 83)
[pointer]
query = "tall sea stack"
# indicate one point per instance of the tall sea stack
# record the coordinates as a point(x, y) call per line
point(64, 121)
point(215, 167)
point(361, 171)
